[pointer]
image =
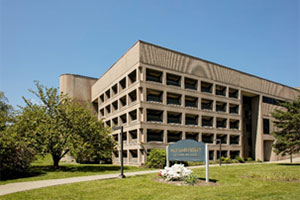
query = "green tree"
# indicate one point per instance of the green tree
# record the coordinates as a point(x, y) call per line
point(156, 158)
point(60, 125)
point(16, 154)
point(287, 121)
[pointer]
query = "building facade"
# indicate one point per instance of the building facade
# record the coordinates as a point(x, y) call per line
point(161, 96)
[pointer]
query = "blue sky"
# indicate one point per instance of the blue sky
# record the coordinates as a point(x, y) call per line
point(42, 39)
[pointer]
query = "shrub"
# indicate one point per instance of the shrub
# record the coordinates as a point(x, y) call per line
point(175, 173)
point(249, 159)
point(15, 156)
point(240, 159)
point(156, 158)
point(191, 179)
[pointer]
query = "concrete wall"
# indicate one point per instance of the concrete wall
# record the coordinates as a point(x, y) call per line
point(76, 86)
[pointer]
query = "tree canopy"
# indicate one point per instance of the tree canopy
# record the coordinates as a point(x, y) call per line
point(287, 134)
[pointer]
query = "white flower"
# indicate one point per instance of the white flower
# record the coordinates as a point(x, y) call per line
point(176, 172)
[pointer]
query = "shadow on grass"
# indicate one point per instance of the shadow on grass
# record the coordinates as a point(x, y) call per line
point(210, 180)
point(289, 164)
point(44, 169)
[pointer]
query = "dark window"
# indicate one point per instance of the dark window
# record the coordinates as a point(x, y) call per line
point(221, 123)
point(123, 100)
point(220, 90)
point(266, 126)
point(123, 83)
point(174, 99)
point(123, 118)
point(234, 124)
point(221, 106)
point(191, 136)
point(208, 138)
point(132, 77)
point(155, 135)
point(233, 108)
point(234, 154)
point(174, 118)
point(107, 93)
point(154, 115)
point(115, 121)
point(206, 87)
point(154, 95)
point(115, 89)
point(191, 102)
point(133, 153)
point(102, 98)
point(153, 75)
point(173, 79)
point(207, 121)
point(190, 83)
point(107, 108)
point(133, 115)
point(233, 93)
point(132, 96)
point(223, 138)
point(191, 119)
point(223, 154)
point(272, 101)
point(234, 139)
point(174, 136)
point(206, 104)
point(115, 105)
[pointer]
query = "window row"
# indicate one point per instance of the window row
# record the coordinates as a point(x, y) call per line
point(122, 119)
point(190, 101)
point(118, 87)
point(189, 83)
point(132, 154)
point(120, 103)
point(156, 135)
point(191, 119)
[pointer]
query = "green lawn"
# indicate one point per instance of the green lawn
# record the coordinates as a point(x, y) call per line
point(258, 181)
point(42, 169)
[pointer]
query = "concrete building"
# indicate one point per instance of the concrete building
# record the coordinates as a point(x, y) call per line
point(161, 96)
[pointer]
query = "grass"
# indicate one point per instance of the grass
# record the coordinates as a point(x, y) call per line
point(42, 169)
point(234, 182)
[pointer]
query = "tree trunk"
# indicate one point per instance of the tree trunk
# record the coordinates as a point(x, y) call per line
point(291, 157)
point(56, 160)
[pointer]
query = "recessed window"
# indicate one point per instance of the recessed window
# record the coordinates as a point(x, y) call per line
point(220, 90)
point(206, 104)
point(174, 136)
point(233, 93)
point(107, 109)
point(206, 87)
point(233, 108)
point(133, 134)
point(266, 126)
point(154, 115)
point(191, 119)
point(133, 115)
point(107, 93)
point(122, 83)
point(190, 83)
point(132, 96)
point(153, 75)
point(123, 101)
point(107, 123)
point(221, 123)
point(208, 138)
point(102, 112)
point(154, 95)
point(234, 154)
point(154, 135)
point(133, 153)
point(192, 135)
point(190, 101)
point(173, 99)
point(234, 124)
point(132, 77)
point(207, 121)
point(123, 118)
point(102, 98)
point(221, 106)
point(234, 139)
point(115, 121)
point(115, 89)
point(222, 138)
point(173, 79)
point(223, 154)
point(115, 105)
point(174, 118)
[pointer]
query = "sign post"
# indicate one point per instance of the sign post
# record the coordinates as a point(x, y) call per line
point(206, 164)
point(189, 150)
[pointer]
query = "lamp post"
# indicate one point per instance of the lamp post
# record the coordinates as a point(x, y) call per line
point(220, 161)
point(122, 164)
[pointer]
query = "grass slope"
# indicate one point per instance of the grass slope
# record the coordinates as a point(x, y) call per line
point(234, 182)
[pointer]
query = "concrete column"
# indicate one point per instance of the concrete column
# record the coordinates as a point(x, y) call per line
point(259, 151)
point(164, 78)
point(165, 139)
point(199, 137)
point(183, 135)
point(183, 118)
point(165, 117)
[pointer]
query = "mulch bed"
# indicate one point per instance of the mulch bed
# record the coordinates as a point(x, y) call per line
point(199, 182)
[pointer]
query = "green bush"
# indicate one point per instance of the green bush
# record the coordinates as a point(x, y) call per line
point(240, 159)
point(156, 158)
point(15, 156)
point(191, 179)
point(249, 159)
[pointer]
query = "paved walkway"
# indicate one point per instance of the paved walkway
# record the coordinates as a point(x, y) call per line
point(29, 185)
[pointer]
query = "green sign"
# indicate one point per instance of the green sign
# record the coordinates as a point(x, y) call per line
point(187, 150)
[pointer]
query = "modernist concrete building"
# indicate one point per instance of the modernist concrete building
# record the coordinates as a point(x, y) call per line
point(161, 96)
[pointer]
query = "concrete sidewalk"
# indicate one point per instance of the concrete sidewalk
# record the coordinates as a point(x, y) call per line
point(29, 185)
